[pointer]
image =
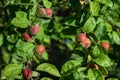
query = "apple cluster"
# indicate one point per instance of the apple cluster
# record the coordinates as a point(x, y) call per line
point(47, 12)
point(86, 43)
point(34, 30)
point(82, 38)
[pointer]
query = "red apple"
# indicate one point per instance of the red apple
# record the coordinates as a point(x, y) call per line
point(40, 49)
point(27, 37)
point(35, 29)
point(94, 66)
point(27, 73)
point(81, 37)
point(106, 45)
point(42, 11)
point(86, 43)
point(49, 12)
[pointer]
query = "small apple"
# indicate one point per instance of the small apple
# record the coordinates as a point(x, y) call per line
point(40, 49)
point(35, 29)
point(27, 37)
point(27, 73)
point(49, 12)
point(106, 45)
point(86, 43)
point(42, 11)
point(94, 66)
point(81, 37)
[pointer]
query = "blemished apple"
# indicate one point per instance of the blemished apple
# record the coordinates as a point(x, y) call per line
point(35, 29)
point(42, 11)
point(94, 66)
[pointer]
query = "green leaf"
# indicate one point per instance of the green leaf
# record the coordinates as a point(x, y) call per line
point(47, 3)
point(78, 75)
point(41, 34)
point(116, 37)
point(89, 25)
point(112, 79)
point(108, 27)
point(49, 68)
point(106, 2)
point(1, 39)
point(96, 51)
point(70, 45)
point(5, 55)
point(71, 22)
point(101, 30)
point(104, 70)
point(20, 20)
point(46, 78)
point(45, 55)
point(95, 75)
point(77, 57)
point(33, 11)
point(25, 46)
point(94, 8)
point(103, 60)
point(35, 74)
point(12, 38)
point(117, 24)
point(12, 70)
point(70, 65)
point(20, 14)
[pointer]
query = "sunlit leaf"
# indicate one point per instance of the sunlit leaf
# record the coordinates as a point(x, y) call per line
point(49, 68)
point(89, 25)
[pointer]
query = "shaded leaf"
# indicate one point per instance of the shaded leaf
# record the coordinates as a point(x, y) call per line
point(5, 55)
point(117, 24)
point(1, 39)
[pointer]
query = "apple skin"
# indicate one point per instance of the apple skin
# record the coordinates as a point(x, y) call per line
point(81, 37)
point(40, 49)
point(94, 66)
point(86, 43)
point(27, 73)
point(42, 11)
point(106, 45)
point(35, 29)
point(49, 12)
point(27, 36)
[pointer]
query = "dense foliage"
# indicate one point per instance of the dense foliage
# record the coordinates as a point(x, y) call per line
point(59, 39)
